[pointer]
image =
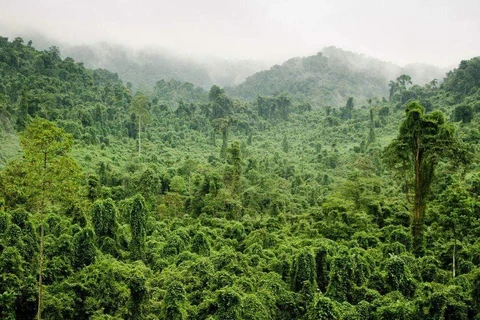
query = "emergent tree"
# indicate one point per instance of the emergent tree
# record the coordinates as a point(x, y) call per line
point(423, 141)
point(139, 107)
point(50, 174)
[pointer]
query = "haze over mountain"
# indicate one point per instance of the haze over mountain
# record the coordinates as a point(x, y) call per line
point(145, 66)
point(332, 76)
point(344, 74)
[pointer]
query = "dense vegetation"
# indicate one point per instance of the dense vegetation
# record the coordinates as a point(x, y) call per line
point(186, 204)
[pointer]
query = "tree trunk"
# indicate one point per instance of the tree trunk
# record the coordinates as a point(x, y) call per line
point(42, 232)
point(139, 141)
point(40, 271)
point(223, 150)
point(417, 228)
point(454, 249)
point(419, 204)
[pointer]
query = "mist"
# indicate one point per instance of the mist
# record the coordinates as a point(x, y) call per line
point(435, 32)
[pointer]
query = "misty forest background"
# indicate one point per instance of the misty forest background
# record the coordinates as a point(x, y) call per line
point(334, 186)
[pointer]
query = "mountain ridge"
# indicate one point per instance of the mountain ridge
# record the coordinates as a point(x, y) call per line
point(331, 76)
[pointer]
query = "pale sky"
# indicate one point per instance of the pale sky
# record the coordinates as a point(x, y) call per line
point(438, 32)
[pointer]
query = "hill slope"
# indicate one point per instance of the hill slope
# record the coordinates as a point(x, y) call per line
point(331, 77)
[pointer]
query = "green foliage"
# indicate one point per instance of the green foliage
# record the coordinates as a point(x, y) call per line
point(200, 244)
point(476, 290)
point(49, 167)
point(229, 304)
point(178, 184)
point(174, 302)
point(393, 306)
point(341, 283)
point(104, 218)
point(293, 216)
point(463, 113)
point(84, 251)
point(464, 80)
point(441, 302)
point(398, 277)
point(148, 183)
point(322, 308)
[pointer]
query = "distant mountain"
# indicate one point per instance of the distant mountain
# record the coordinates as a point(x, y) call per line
point(143, 68)
point(331, 76)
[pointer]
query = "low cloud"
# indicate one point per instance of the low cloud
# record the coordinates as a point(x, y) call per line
point(438, 32)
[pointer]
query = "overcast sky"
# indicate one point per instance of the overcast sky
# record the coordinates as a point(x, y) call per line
point(439, 32)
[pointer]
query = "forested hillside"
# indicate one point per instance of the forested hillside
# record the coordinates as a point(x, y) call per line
point(331, 77)
point(144, 67)
point(180, 203)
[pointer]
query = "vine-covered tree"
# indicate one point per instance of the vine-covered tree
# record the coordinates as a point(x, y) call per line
point(423, 141)
point(83, 248)
point(138, 222)
point(303, 269)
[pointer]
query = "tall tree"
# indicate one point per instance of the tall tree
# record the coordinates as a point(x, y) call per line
point(50, 174)
point(139, 107)
point(404, 80)
point(221, 105)
point(423, 141)
point(393, 88)
point(371, 134)
point(346, 112)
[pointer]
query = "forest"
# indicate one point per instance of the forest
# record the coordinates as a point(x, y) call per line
point(337, 195)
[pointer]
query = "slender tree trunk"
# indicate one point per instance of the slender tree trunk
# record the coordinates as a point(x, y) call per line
point(40, 271)
point(139, 141)
point(42, 232)
point(213, 137)
point(223, 150)
point(454, 249)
